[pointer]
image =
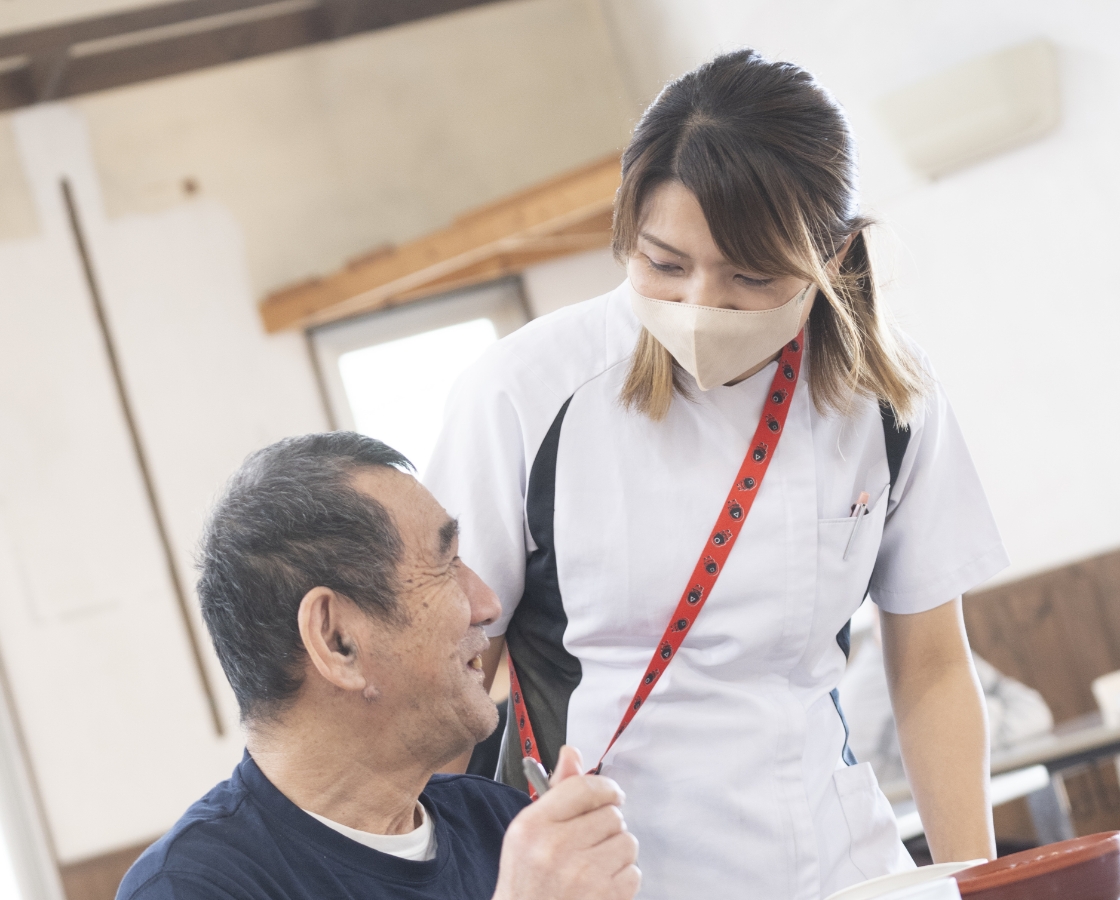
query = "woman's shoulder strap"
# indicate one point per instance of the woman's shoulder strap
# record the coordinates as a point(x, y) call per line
point(897, 438)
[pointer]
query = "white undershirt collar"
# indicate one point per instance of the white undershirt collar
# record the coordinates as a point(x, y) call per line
point(418, 845)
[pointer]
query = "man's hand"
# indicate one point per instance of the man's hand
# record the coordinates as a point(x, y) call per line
point(572, 844)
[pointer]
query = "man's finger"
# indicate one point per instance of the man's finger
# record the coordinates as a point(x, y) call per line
point(614, 854)
point(578, 795)
point(591, 829)
point(568, 763)
point(626, 883)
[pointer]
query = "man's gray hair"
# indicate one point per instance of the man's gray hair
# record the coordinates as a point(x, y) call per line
point(290, 520)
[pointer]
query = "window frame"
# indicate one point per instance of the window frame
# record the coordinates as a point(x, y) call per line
point(503, 302)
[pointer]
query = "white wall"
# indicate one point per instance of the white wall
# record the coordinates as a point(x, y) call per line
point(570, 279)
point(1001, 271)
point(104, 683)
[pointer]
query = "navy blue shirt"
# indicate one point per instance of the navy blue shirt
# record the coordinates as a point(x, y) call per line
point(248, 841)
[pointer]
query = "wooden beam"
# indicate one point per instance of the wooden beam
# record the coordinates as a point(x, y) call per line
point(568, 214)
point(171, 38)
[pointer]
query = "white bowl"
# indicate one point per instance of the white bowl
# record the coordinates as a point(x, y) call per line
point(939, 889)
point(887, 885)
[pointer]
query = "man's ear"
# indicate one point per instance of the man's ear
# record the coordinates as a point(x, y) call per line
point(327, 626)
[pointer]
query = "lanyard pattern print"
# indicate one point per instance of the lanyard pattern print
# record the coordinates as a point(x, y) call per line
point(712, 558)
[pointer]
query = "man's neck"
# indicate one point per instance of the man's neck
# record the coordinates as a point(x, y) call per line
point(345, 777)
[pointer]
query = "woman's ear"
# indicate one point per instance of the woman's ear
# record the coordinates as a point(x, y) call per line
point(837, 261)
point(327, 626)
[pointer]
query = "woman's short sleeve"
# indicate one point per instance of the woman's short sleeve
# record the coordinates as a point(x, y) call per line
point(940, 538)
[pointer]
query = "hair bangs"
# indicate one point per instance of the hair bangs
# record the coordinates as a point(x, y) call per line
point(748, 207)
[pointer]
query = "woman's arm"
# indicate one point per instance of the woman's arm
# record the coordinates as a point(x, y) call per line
point(942, 729)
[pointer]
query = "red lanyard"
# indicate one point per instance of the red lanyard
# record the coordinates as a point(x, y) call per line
point(712, 557)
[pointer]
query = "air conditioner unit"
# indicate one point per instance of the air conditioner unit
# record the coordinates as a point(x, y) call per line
point(976, 110)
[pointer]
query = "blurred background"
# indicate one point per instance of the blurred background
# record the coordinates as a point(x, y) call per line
point(227, 221)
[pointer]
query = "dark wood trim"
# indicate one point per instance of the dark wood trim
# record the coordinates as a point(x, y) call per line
point(99, 877)
point(140, 45)
point(158, 518)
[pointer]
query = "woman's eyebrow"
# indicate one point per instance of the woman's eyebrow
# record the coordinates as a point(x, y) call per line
point(649, 237)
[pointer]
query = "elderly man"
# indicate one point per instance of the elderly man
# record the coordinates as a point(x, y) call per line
point(351, 632)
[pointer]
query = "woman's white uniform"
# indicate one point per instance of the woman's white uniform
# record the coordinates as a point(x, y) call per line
point(733, 770)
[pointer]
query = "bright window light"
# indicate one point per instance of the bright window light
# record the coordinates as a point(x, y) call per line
point(9, 886)
point(9, 889)
point(397, 390)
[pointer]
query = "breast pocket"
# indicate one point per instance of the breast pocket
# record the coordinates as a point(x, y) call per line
point(846, 553)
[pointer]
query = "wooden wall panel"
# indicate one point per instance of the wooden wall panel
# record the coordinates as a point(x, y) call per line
point(1057, 631)
point(98, 878)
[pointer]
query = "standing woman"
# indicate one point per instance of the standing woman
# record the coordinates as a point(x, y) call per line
point(682, 490)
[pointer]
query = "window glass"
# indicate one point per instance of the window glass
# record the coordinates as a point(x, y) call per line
point(388, 374)
point(397, 390)
point(9, 888)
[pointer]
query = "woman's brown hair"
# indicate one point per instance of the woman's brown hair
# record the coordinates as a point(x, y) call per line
point(769, 156)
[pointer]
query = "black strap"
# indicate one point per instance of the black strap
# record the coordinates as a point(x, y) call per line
point(897, 439)
point(548, 673)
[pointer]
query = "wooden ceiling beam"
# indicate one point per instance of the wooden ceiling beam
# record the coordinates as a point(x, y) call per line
point(568, 214)
point(171, 38)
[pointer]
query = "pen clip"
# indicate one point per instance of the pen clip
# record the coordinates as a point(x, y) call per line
point(535, 774)
point(859, 509)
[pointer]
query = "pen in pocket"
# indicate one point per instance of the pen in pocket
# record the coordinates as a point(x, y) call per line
point(858, 510)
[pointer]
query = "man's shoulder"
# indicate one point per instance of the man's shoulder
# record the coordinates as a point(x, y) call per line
point(207, 846)
point(224, 847)
point(472, 814)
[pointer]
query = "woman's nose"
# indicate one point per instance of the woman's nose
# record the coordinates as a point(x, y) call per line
point(705, 290)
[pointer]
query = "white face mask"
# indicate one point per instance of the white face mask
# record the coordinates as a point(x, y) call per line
point(717, 345)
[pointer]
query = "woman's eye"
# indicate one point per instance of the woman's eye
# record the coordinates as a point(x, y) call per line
point(754, 282)
point(664, 267)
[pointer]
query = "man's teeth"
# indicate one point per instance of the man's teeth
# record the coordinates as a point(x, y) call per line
point(476, 663)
